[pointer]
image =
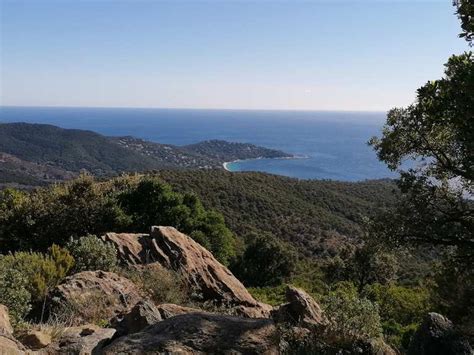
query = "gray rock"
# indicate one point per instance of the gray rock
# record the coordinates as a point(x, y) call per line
point(437, 336)
point(199, 333)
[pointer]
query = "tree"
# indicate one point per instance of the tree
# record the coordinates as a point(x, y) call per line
point(465, 12)
point(368, 263)
point(437, 134)
point(266, 261)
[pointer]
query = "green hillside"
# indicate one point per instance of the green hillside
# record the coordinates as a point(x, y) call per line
point(316, 216)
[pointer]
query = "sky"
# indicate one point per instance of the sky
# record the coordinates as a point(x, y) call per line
point(289, 55)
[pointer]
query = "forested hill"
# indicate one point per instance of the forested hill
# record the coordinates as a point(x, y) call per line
point(35, 154)
point(315, 216)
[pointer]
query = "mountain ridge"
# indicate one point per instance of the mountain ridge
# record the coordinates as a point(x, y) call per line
point(60, 153)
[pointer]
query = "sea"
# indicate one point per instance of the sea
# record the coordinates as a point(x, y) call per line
point(329, 144)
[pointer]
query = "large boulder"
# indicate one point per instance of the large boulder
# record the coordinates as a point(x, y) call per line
point(81, 340)
point(301, 309)
point(95, 294)
point(145, 313)
point(200, 333)
point(202, 272)
point(437, 336)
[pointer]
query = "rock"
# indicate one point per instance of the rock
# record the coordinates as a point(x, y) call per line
point(145, 313)
point(199, 333)
point(95, 295)
point(202, 272)
point(35, 339)
point(437, 336)
point(5, 326)
point(168, 310)
point(132, 249)
point(301, 309)
point(10, 346)
point(81, 340)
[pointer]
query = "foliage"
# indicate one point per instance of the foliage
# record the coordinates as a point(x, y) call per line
point(152, 202)
point(158, 284)
point(465, 12)
point(397, 335)
point(72, 150)
point(404, 305)
point(454, 291)
point(13, 293)
point(350, 317)
point(438, 131)
point(365, 264)
point(401, 310)
point(50, 215)
point(26, 277)
point(91, 253)
point(84, 206)
point(436, 136)
point(315, 217)
point(266, 261)
point(90, 307)
point(273, 295)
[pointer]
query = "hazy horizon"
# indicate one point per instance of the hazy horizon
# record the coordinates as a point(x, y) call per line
point(356, 56)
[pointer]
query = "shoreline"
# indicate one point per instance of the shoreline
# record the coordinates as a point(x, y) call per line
point(225, 164)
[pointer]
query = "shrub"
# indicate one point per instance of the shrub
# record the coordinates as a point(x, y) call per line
point(34, 220)
point(152, 202)
point(266, 261)
point(350, 318)
point(42, 271)
point(91, 307)
point(13, 293)
point(404, 305)
point(91, 253)
point(158, 284)
point(26, 278)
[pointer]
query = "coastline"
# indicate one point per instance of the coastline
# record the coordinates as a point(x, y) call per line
point(225, 164)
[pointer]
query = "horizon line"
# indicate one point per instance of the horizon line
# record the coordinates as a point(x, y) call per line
point(194, 108)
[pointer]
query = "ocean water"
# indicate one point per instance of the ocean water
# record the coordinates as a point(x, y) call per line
point(333, 144)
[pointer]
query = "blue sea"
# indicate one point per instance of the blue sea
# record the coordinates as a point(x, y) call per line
point(332, 143)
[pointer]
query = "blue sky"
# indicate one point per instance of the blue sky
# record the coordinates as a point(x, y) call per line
point(314, 55)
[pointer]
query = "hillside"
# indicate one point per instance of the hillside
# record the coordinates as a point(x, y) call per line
point(37, 154)
point(315, 216)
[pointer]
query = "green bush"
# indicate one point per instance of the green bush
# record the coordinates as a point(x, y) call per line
point(91, 253)
point(404, 305)
point(13, 293)
point(350, 318)
point(35, 220)
point(151, 202)
point(26, 278)
point(266, 261)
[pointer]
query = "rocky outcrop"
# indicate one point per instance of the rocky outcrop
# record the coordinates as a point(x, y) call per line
point(95, 294)
point(132, 249)
point(301, 309)
point(145, 313)
point(200, 333)
point(81, 340)
point(202, 272)
point(437, 336)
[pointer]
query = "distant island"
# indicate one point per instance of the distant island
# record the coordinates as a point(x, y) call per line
point(38, 154)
